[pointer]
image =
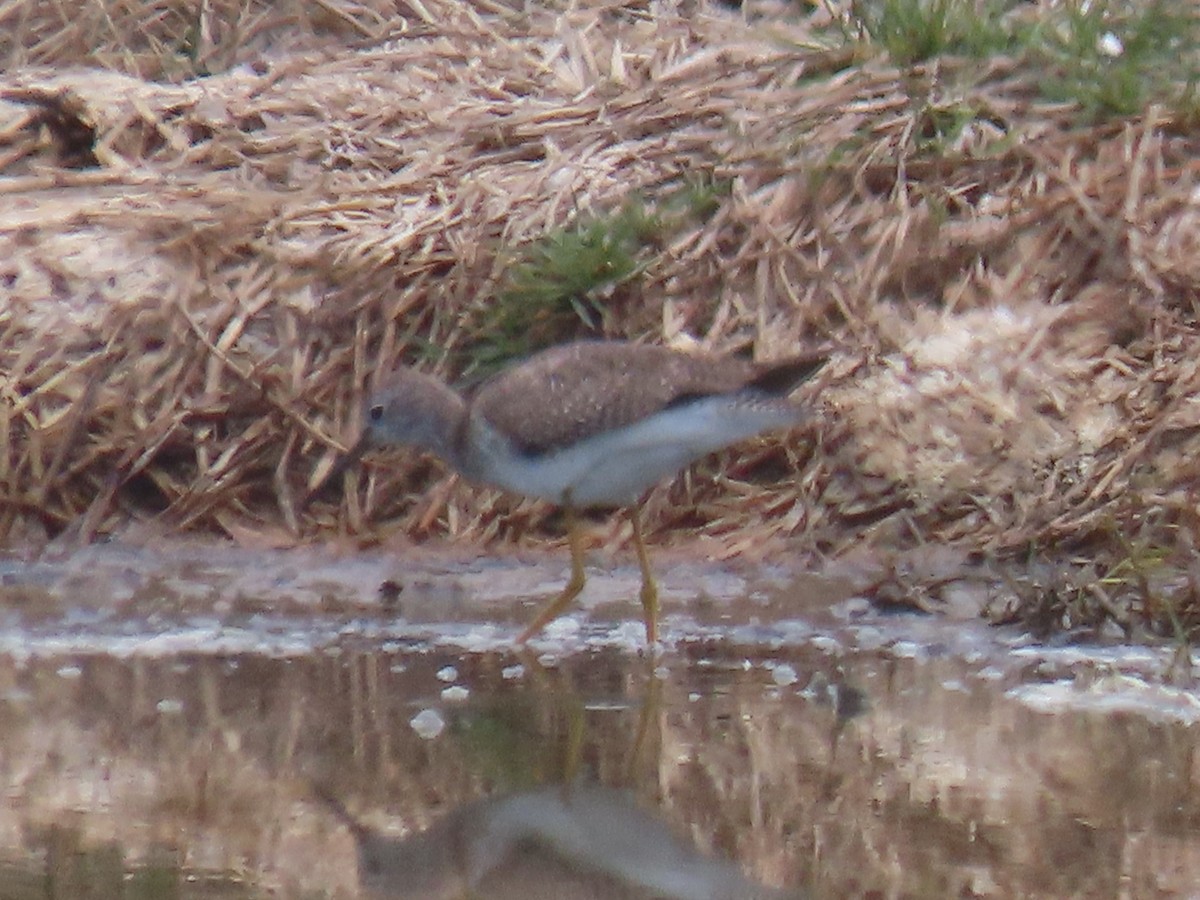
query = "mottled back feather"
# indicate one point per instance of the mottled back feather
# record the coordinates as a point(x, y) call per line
point(592, 386)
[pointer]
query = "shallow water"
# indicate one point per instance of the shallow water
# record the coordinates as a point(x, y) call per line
point(200, 722)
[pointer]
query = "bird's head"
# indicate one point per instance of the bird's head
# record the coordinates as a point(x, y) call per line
point(413, 409)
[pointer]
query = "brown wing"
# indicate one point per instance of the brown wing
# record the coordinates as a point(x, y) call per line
point(574, 391)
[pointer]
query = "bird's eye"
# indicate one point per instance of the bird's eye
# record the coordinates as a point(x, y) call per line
point(375, 413)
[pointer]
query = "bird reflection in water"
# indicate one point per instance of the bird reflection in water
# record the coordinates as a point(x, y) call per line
point(583, 841)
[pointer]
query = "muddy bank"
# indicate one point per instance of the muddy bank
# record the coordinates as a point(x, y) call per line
point(219, 244)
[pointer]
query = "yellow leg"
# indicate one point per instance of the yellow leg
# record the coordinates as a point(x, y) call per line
point(649, 594)
point(555, 607)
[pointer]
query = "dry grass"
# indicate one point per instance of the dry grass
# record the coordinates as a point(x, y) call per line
point(201, 278)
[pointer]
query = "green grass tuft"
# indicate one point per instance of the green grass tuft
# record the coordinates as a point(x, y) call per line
point(913, 31)
point(1111, 57)
point(566, 278)
point(1114, 59)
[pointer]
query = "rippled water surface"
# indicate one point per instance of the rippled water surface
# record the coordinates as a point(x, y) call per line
point(198, 722)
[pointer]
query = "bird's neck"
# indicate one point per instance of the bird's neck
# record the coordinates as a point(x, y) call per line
point(443, 421)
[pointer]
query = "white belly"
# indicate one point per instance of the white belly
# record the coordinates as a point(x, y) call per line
point(615, 468)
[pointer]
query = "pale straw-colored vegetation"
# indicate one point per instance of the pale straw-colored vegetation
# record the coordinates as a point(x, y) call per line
point(220, 221)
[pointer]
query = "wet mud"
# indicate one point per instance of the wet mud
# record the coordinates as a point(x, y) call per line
point(190, 721)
